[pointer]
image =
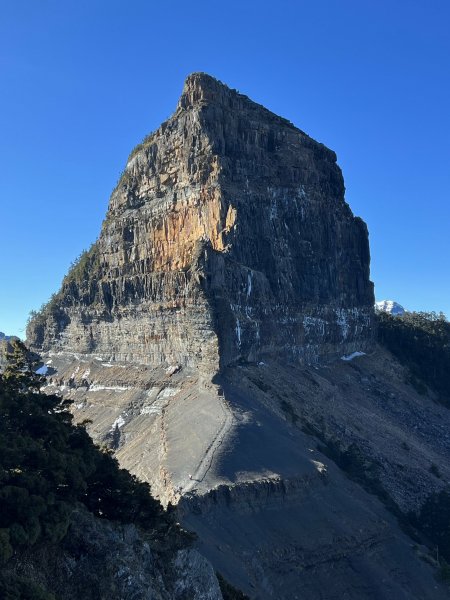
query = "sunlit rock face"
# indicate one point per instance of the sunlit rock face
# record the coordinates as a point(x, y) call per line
point(227, 239)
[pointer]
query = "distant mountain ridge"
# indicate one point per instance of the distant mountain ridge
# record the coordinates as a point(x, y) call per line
point(390, 306)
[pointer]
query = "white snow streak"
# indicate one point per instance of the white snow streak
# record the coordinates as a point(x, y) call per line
point(352, 355)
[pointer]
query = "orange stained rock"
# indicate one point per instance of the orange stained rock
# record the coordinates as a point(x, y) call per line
point(171, 242)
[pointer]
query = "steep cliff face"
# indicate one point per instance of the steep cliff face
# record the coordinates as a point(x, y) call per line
point(227, 238)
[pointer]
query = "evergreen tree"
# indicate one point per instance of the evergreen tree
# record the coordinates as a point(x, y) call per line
point(50, 469)
point(421, 341)
point(20, 371)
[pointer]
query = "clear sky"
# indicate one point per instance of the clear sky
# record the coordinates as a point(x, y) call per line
point(82, 82)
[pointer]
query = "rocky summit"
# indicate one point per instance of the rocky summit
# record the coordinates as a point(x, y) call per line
point(227, 238)
point(220, 339)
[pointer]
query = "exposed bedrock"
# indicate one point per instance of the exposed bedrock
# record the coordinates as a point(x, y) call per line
point(227, 238)
point(309, 538)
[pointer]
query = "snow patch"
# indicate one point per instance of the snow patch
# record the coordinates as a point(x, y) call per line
point(156, 407)
point(167, 392)
point(153, 409)
point(238, 332)
point(119, 422)
point(343, 322)
point(313, 325)
point(113, 388)
point(319, 466)
point(352, 355)
point(173, 369)
point(249, 283)
point(74, 373)
point(42, 370)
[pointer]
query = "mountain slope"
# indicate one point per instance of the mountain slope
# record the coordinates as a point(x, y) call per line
point(72, 523)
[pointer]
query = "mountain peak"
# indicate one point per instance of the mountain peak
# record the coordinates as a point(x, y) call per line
point(390, 306)
point(200, 87)
point(202, 80)
point(214, 247)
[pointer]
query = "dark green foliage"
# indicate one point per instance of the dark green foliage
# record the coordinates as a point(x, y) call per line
point(434, 521)
point(364, 471)
point(6, 549)
point(435, 470)
point(49, 467)
point(430, 526)
point(421, 341)
point(114, 493)
point(19, 372)
point(145, 142)
point(368, 474)
point(288, 409)
point(83, 266)
point(80, 284)
point(18, 588)
point(444, 572)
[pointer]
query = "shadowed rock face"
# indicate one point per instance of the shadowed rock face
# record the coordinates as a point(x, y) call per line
point(227, 238)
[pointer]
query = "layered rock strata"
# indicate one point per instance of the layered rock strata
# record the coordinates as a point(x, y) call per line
point(227, 238)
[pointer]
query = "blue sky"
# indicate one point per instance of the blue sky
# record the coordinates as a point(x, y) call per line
point(84, 82)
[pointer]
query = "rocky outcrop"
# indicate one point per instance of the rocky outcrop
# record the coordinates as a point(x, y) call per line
point(227, 238)
point(102, 559)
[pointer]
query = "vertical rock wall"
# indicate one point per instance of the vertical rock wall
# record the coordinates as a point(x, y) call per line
point(227, 238)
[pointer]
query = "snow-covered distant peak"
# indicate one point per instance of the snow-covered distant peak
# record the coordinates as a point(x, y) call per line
point(391, 307)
